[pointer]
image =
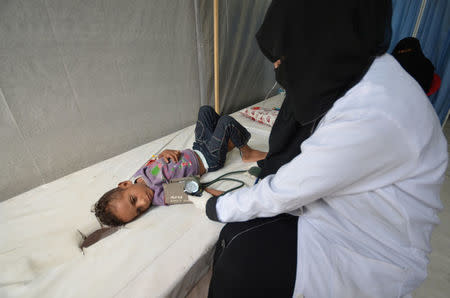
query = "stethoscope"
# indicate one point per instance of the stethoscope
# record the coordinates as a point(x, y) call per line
point(193, 186)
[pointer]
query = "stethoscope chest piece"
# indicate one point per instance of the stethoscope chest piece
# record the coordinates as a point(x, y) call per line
point(192, 186)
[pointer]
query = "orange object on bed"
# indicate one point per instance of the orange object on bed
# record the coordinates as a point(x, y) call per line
point(435, 85)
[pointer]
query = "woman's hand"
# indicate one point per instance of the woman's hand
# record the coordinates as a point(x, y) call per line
point(170, 154)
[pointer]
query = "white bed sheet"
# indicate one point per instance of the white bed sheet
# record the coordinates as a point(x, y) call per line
point(163, 254)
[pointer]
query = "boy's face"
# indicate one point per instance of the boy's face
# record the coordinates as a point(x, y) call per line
point(132, 201)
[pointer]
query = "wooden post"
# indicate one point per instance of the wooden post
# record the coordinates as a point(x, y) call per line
point(216, 56)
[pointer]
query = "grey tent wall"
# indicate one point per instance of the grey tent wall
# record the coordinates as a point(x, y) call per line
point(245, 74)
point(82, 81)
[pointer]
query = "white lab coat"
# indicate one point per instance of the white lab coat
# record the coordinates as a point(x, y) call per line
point(367, 183)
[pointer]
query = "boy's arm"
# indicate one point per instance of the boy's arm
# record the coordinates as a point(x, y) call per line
point(167, 154)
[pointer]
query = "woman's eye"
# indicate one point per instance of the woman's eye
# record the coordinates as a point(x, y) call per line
point(133, 200)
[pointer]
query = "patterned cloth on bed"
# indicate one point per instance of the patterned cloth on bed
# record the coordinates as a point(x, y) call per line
point(260, 114)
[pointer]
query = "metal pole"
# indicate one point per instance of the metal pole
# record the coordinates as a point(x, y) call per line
point(419, 18)
point(216, 56)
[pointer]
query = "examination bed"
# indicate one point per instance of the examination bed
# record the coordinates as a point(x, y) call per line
point(162, 254)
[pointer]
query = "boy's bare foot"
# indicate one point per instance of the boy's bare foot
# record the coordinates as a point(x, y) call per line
point(249, 154)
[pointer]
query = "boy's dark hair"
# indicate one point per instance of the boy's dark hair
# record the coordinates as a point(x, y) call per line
point(103, 211)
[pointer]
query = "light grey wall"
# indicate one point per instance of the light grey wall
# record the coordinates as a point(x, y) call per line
point(245, 74)
point(82, 81)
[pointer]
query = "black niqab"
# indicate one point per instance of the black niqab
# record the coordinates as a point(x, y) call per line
point(408, 53)
point(326, 47)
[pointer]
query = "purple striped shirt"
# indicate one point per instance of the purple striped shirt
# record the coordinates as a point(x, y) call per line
point(157, 172)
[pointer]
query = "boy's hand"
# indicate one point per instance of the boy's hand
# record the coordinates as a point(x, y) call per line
point(277, 63)
point(213, 191)
point(170, 154)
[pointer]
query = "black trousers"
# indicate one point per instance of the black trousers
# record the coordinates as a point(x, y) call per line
point(285, 138)
point(212, 133)
point(257, 258)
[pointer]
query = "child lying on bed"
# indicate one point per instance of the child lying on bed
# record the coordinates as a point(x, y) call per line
point(214, 136)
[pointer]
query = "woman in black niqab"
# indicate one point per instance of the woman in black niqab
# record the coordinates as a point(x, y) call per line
point(325, 48)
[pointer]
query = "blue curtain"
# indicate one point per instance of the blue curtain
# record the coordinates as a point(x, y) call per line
point(434, 36)
point(404, 16)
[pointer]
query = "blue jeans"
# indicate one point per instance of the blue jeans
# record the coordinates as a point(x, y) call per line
point(212, 134)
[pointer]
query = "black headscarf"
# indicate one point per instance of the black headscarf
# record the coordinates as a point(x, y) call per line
point(409, 54)
point(326, 47)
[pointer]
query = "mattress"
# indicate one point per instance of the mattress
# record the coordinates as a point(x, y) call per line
point(162, 254)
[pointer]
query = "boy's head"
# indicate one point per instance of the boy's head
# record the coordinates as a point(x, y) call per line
point(123, 203)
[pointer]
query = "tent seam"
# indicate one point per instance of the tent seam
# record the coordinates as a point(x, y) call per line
point(2, 95)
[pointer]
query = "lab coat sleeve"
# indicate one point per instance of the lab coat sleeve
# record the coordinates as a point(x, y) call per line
point(346, 155)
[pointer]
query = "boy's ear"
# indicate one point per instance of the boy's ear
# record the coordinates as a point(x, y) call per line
point(125, 184)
